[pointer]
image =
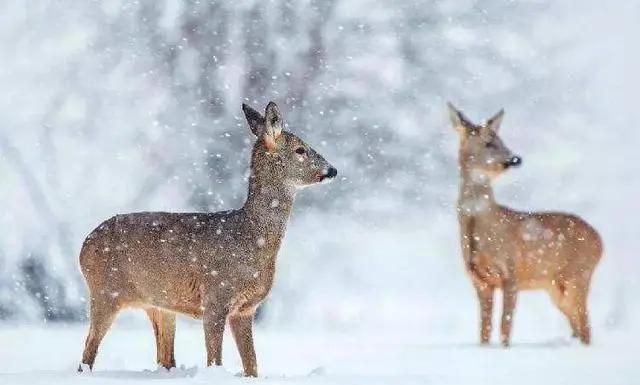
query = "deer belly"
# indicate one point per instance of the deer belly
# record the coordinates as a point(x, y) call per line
point(178, 293)
point(538, 263)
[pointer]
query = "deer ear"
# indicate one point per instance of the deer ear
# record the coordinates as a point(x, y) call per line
point(273, 120)
point(255, 120)
point(494, 122)
point(458, 120)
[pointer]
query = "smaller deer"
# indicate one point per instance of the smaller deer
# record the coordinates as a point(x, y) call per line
point(515, 250)
point(214, 266)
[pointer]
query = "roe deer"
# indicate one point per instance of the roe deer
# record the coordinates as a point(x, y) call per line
point(214, 266)
point(515, 250)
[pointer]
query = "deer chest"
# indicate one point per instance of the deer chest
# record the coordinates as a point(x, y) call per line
point(251, 293)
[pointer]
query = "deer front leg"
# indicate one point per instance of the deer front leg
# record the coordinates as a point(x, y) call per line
point(485, 297)
point(510, 294)
point(241, 326)
point(213, 319)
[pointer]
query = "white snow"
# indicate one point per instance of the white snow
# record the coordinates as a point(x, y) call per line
point(50, 354)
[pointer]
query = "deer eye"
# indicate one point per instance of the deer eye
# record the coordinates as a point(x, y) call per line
point(490, 145)
point(300, 150)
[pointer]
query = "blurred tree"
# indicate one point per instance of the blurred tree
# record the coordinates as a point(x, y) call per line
point(125, 105)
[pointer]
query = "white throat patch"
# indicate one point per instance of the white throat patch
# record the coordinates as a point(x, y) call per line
point(479, 177)
point(476, 205)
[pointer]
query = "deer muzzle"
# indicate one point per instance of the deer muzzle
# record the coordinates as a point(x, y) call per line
point(514, 161)
point(330, 173)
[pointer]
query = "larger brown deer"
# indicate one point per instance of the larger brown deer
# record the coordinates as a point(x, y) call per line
point(214, 266)
point(516, 250)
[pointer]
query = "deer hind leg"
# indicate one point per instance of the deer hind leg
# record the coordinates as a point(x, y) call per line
point(485, 297)
point(571, 298)
point(102, 314)
point(584, 328)
point(164, 329)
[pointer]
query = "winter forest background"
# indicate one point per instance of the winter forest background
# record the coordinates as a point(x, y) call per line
point(111, 107)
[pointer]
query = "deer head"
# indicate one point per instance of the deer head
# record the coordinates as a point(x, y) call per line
point(482, 152)
point(282, 156)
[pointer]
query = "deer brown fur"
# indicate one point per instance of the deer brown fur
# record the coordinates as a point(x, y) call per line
point(212, 266)
point(517, 250)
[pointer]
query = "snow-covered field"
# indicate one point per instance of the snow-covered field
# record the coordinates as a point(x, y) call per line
point(49, 355)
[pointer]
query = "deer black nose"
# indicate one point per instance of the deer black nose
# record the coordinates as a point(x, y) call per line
point(331, 172)
point(515, 161)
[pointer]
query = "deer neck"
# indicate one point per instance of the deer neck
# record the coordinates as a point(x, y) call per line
point(268, 206)
point(476, 195)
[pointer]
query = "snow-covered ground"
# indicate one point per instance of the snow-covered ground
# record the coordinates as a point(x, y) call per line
point(49, 355)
